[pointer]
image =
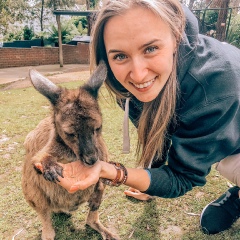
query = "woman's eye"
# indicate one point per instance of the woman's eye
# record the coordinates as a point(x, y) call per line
point(120, 57)
point(150, 49)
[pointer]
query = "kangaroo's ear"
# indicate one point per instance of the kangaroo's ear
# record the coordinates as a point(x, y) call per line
point(96, 80)
point(45, 86)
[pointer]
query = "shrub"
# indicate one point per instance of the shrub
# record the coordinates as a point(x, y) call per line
point(68, 30)
point(13, 35)
point(27, 33)
point(234, 32)
point(81, 24)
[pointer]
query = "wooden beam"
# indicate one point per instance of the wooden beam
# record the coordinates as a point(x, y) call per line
point(60, 40)
point(74, 13)
point(58, 13)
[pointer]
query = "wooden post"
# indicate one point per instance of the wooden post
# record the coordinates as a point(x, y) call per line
point(60, 40)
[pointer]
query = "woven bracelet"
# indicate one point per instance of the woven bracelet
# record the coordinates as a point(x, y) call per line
point(115, 182)
point(125, 174)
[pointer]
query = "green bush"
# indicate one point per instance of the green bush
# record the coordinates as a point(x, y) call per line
point(68, 30)
point(28, 33)
point(81, 24)
point(234, 32)
point(80, 20)
point(13, 35)
point(211, 18)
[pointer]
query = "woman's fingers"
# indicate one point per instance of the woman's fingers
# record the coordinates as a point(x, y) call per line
point(81, 185)
point(79, 177)
point(132, 192)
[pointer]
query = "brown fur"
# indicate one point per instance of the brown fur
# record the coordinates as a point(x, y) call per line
point(72, 133)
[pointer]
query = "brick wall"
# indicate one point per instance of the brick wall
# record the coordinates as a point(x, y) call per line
point(18, 57)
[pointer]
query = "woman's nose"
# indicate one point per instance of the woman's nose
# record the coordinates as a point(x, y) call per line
point(138, 70)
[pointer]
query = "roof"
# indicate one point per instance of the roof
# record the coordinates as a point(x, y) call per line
point(76, 13)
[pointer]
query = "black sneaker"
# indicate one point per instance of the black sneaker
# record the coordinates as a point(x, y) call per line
point(220, 215)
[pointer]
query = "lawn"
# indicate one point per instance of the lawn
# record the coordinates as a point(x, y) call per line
point(21, 110)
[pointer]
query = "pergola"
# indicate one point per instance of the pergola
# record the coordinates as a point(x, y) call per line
point(58, 14)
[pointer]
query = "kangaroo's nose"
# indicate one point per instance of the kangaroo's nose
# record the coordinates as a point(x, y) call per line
point(90, 160)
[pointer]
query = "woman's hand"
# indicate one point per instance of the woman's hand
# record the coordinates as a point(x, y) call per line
point(77, 176)
point(132, 192)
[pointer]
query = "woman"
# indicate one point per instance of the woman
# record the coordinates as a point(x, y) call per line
point(184, 91)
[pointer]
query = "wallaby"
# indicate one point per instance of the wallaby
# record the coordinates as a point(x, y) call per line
point(72, 133)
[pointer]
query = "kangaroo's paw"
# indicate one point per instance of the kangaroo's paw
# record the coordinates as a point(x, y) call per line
point(50, 169)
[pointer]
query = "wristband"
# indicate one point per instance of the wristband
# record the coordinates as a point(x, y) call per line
point(116, 182)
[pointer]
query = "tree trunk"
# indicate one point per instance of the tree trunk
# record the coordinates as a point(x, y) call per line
point(88, 4)
point(41, 16)
point(89, 19)
point(191, 2)
point(55, 4)
point(222, 20)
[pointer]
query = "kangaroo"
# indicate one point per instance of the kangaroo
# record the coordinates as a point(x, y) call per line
point(72, 133)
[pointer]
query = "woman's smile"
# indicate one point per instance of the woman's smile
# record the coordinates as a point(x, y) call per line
point(142, 87)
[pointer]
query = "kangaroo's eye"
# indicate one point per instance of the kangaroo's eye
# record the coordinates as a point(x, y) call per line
point(70, 135)
point(98, 129)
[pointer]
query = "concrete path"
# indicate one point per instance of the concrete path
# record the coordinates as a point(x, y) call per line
point(10, 75)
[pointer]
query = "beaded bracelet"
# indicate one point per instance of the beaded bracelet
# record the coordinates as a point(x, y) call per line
point(115, 182)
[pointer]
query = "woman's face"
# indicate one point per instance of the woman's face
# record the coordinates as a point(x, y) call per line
point(140, 49)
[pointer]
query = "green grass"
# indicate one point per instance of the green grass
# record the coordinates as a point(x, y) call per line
point(21, 110)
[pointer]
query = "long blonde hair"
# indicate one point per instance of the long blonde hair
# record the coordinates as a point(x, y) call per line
point(159, 113)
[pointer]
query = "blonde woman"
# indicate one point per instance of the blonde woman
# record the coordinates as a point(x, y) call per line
point(184, 92)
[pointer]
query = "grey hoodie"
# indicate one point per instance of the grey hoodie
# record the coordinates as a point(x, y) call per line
point(208, 111)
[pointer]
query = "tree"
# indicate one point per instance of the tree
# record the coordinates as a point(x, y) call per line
point(39, 11)
point(234, 31)
point(10, 12)
point(90, 4)
point(191, 3)
point(222, 20)
point(60, 4)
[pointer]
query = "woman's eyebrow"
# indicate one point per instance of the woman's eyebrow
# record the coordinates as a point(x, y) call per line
point(114, 51)
point(150, 42)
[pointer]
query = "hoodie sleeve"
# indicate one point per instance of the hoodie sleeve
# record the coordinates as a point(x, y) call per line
point(206, 135)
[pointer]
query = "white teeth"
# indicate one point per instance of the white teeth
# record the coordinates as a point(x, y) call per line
point(144, 85)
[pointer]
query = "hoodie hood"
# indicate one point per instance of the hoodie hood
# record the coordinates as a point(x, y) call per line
point(188, 44)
